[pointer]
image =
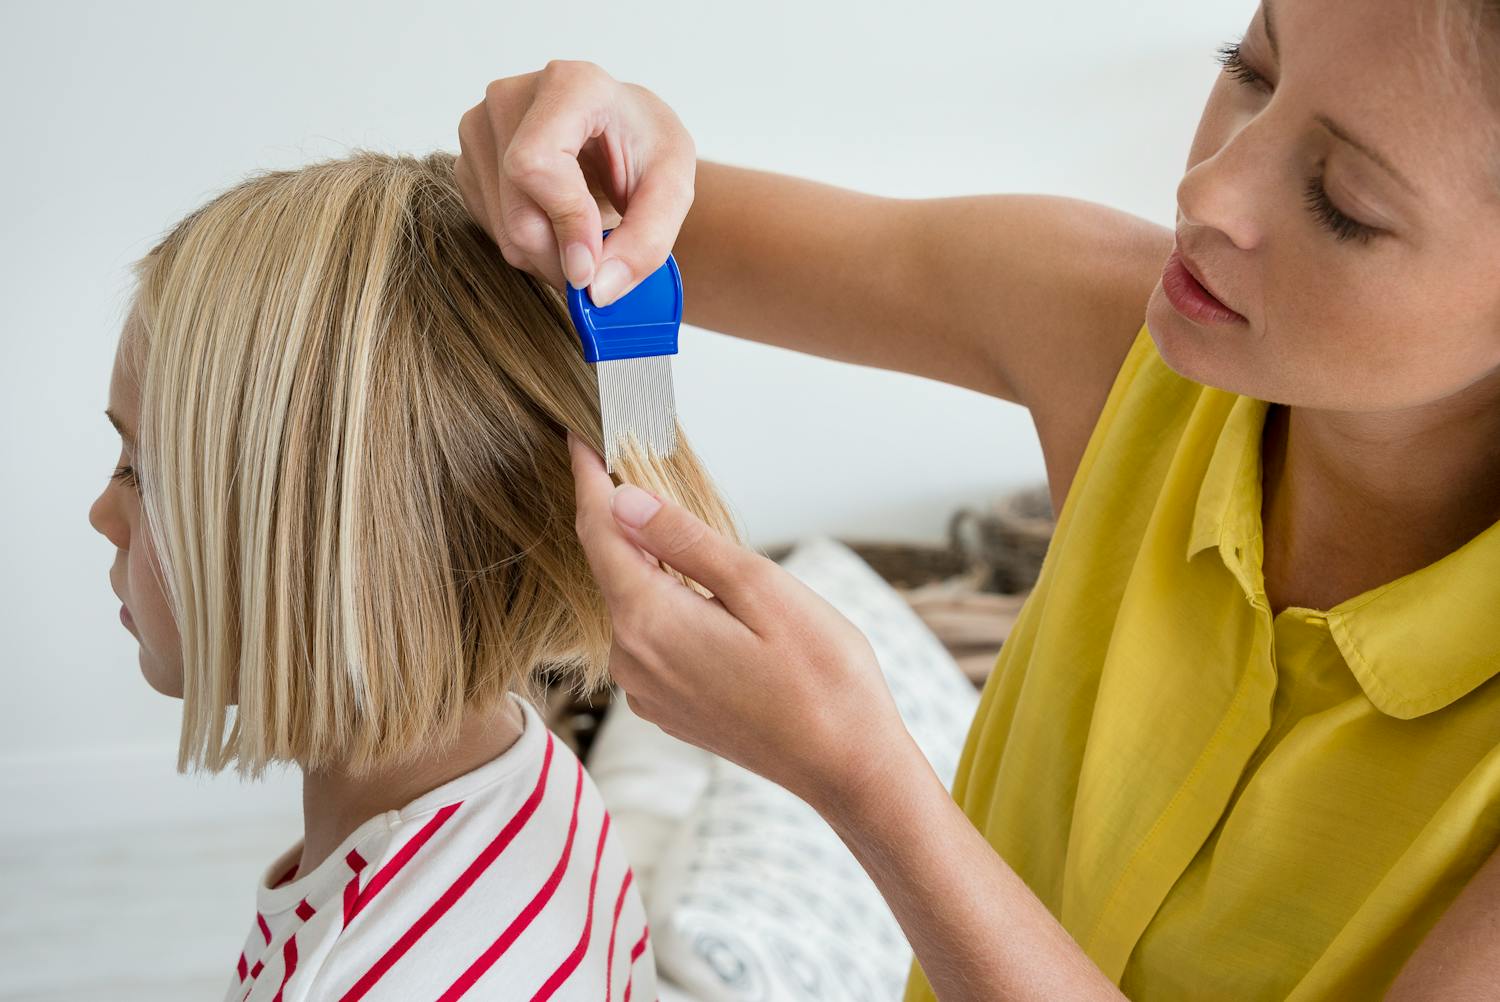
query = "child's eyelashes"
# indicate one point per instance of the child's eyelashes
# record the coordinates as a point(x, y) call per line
point(126, 475)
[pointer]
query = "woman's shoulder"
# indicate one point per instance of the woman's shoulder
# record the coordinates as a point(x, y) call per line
point(1070, 379)
point(1137, 431)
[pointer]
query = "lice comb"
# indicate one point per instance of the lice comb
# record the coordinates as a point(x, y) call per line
point(630, 344)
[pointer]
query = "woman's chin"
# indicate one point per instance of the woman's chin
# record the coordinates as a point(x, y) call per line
point(1190, 350)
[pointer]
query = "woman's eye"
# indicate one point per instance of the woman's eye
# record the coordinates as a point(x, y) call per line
point(126, 475)
point(1315, 195)
point(1229, 57)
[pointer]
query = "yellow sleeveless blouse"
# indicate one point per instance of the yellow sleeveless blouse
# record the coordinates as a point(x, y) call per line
point(1215, 802)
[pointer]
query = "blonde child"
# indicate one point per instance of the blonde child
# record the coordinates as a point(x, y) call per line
point(345, 529)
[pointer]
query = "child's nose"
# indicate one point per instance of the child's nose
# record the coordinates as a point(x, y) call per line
point(106, 520)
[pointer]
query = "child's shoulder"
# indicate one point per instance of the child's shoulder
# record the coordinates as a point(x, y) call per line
point(506, 877)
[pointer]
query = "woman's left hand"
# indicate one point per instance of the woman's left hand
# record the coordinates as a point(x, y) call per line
point(766, 673)
point(769, 675)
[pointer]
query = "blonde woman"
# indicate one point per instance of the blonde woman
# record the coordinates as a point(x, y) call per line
point(1244, 740)
point(345, 532)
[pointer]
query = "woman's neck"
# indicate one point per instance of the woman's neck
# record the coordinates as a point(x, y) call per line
point(334, 803)
point(1354, 500)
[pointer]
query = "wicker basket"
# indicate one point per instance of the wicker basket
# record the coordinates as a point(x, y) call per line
point(1007, 543)
point(903, 565)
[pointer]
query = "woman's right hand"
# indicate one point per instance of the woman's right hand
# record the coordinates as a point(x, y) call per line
point(547, 155)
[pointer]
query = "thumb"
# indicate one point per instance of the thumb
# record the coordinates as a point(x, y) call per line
point(683, 541)
point(648, 227)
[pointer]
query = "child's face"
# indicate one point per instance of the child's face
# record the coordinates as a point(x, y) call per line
point(135, 575)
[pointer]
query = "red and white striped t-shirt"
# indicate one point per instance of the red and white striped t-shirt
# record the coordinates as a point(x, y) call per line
point(504, 883)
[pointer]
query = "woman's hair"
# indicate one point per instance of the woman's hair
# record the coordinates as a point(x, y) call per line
point(1467, 34)
point(1470, 30)
point(355, 468)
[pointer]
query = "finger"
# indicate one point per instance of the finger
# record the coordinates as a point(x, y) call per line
point(638, 706)
point(608, 217)
point(476, 182)
point(541, 160)
point(528, 233)
point(685, 542)
point(652, 614)
point(648, 228)
point(489, 197)
point(625, 573)
point(520, 226)
point(563, 226)
point(624, 669)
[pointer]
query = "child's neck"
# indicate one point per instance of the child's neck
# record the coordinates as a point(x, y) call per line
point(334, 804)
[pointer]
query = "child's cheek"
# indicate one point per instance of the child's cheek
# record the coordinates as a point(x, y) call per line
point(156, 631)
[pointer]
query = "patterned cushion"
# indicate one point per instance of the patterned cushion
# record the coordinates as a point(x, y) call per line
point(756, 897)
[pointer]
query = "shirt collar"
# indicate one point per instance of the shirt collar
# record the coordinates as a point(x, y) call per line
point(1415, 644)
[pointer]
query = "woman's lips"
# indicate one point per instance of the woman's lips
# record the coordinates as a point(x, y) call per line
point(1189, 297)
point(125, 618)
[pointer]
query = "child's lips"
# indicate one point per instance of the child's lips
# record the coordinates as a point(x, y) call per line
point(125, 616)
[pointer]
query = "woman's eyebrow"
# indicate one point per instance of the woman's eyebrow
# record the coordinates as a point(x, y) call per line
point(119, 425)
point(1368, 151)
point(1338, 131)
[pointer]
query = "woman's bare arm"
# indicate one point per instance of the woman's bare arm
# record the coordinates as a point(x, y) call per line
point(1007, 294)
point(1023, 297)
point(1030, 298)
point(833, 736)
point(976, 928)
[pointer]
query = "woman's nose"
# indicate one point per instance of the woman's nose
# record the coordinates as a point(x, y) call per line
point(1211, 198)
point(1226, 191)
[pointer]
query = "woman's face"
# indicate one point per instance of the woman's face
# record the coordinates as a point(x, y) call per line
point(135, 576)
point(1365, 279)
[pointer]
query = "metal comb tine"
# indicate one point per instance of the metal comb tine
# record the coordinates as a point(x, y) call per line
point(636, 397)
point(630, 343)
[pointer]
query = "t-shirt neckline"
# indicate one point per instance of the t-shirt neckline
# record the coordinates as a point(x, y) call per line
point(330, 875)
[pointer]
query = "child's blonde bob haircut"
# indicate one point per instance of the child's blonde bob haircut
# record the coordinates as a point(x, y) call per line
point(355, 467)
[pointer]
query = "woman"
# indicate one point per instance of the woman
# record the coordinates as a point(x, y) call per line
point(343, 521)
point(1242, 742)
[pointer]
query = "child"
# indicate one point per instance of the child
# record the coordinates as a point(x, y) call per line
point(345, 531)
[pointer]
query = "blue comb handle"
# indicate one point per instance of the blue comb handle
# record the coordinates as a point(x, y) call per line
point(642, 323)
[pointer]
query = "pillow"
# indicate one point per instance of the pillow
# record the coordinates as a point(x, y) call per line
point(649, 782)
point(756, 897)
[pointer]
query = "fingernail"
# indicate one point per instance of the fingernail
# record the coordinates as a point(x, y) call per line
point(633, 506)
point(609, 281)
point(578, 265)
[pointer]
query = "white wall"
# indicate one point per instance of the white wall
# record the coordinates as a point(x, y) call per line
point(119, 118)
